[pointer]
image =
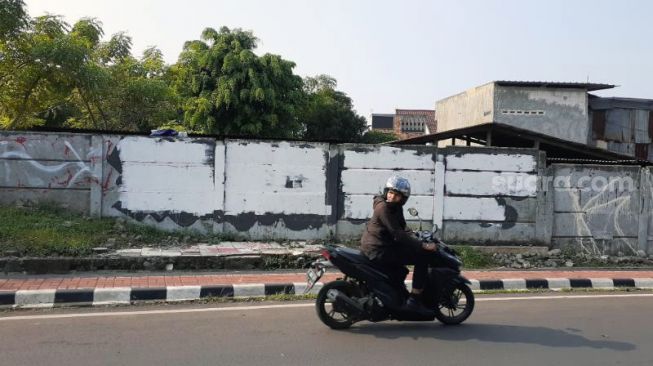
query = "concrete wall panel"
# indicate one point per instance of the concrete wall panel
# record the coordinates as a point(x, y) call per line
point(278, 178)
point(489, 209)
point(607, 205)
point(596, 246)
point(491, 184)
point(567, 200)
point(596, 177)
point(488, 233)
point(54, 161)
point(46, 174)
point(359, 207)
point(495, 162)
point(45, 146)
point(362, 181)
point(161, 175)
point(388, 157)
point(74, 200)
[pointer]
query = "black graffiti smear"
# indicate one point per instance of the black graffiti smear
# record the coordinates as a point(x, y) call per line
point(510, 212)
point(362, 149)
point(183, 219)
point(305, 146)
point(332, 185)
point(295, 182)
point(294, 222)
point(114, 159)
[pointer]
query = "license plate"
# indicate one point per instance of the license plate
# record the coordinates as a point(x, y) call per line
point(312, 276)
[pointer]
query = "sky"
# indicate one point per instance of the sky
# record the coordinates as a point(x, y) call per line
point(406, 54)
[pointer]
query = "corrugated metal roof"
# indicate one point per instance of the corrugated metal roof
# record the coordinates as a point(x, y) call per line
point(595, 161)
point(574, 148)
point(596, 102)
point(555, 84)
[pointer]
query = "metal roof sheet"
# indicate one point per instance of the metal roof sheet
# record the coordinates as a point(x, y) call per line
point(555, 84)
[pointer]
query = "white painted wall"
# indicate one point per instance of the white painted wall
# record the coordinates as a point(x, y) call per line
point(473, 209)
point(366, 169)
point(177, 176)
point(508, 162)
point(385, 157)
point(359, 206)
point(473, 182)
point(491, 183)
point(361, 181)
point(257, 174)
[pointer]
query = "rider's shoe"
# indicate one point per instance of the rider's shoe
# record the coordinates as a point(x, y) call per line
point(413, 305)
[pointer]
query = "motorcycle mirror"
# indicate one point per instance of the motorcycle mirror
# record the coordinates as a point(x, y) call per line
point(435, 228)
point(412, 211)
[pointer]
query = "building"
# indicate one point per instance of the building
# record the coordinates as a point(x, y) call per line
point(414, 122)
point(406, 123)
point(383, 122)
point(623, 125)
point(499, 112)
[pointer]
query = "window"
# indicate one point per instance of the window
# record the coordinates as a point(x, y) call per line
point(523, 112)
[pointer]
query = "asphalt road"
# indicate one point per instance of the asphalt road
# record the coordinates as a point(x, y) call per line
point(504, 330)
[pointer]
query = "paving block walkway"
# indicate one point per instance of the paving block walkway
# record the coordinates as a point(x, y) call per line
point(145, 281)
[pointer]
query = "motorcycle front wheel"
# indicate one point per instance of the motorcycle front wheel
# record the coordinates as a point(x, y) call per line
point(328, 312)
point(456, 305)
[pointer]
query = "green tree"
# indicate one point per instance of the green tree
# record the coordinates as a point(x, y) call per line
point(39, 68)
point(227, 89)
point(13, 18)
point(328, 114)
point(56, 75)
point(377, 137)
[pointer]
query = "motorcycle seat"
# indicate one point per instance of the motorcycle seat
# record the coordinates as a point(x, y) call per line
point(358, 257)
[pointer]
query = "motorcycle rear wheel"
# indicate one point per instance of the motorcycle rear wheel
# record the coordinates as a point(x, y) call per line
point(456, 305)
point(328, 312)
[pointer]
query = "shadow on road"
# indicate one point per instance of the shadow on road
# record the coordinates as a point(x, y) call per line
point(495, 333)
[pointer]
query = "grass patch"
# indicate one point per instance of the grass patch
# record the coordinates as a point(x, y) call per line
point(473, 258)
point(47, 230)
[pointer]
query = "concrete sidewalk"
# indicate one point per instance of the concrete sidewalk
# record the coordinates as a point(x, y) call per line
point(49, 291)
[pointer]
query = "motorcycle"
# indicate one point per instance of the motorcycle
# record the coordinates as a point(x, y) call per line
point(369, 292)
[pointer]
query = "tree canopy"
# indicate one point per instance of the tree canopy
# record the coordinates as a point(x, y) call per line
point(59, 75)
point(227, 89)
point(328, 113)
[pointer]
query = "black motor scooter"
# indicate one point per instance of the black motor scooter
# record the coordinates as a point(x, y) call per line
point(370, 292)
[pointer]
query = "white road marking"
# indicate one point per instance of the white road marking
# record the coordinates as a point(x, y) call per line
point(284, 306)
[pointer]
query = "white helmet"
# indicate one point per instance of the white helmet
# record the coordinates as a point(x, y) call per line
point(399, 184)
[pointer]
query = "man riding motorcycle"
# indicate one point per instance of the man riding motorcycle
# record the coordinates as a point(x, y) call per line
point(387, 241)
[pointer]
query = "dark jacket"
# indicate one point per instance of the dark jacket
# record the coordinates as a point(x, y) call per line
point(386, 229)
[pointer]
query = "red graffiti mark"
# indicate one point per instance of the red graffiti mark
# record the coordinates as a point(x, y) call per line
point(105, 185)
point(21, 140)
point(67, 181)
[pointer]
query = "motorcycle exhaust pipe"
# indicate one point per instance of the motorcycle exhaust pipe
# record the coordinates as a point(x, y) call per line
point(347, 302)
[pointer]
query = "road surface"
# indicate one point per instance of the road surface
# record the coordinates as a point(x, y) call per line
point(536, 329)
